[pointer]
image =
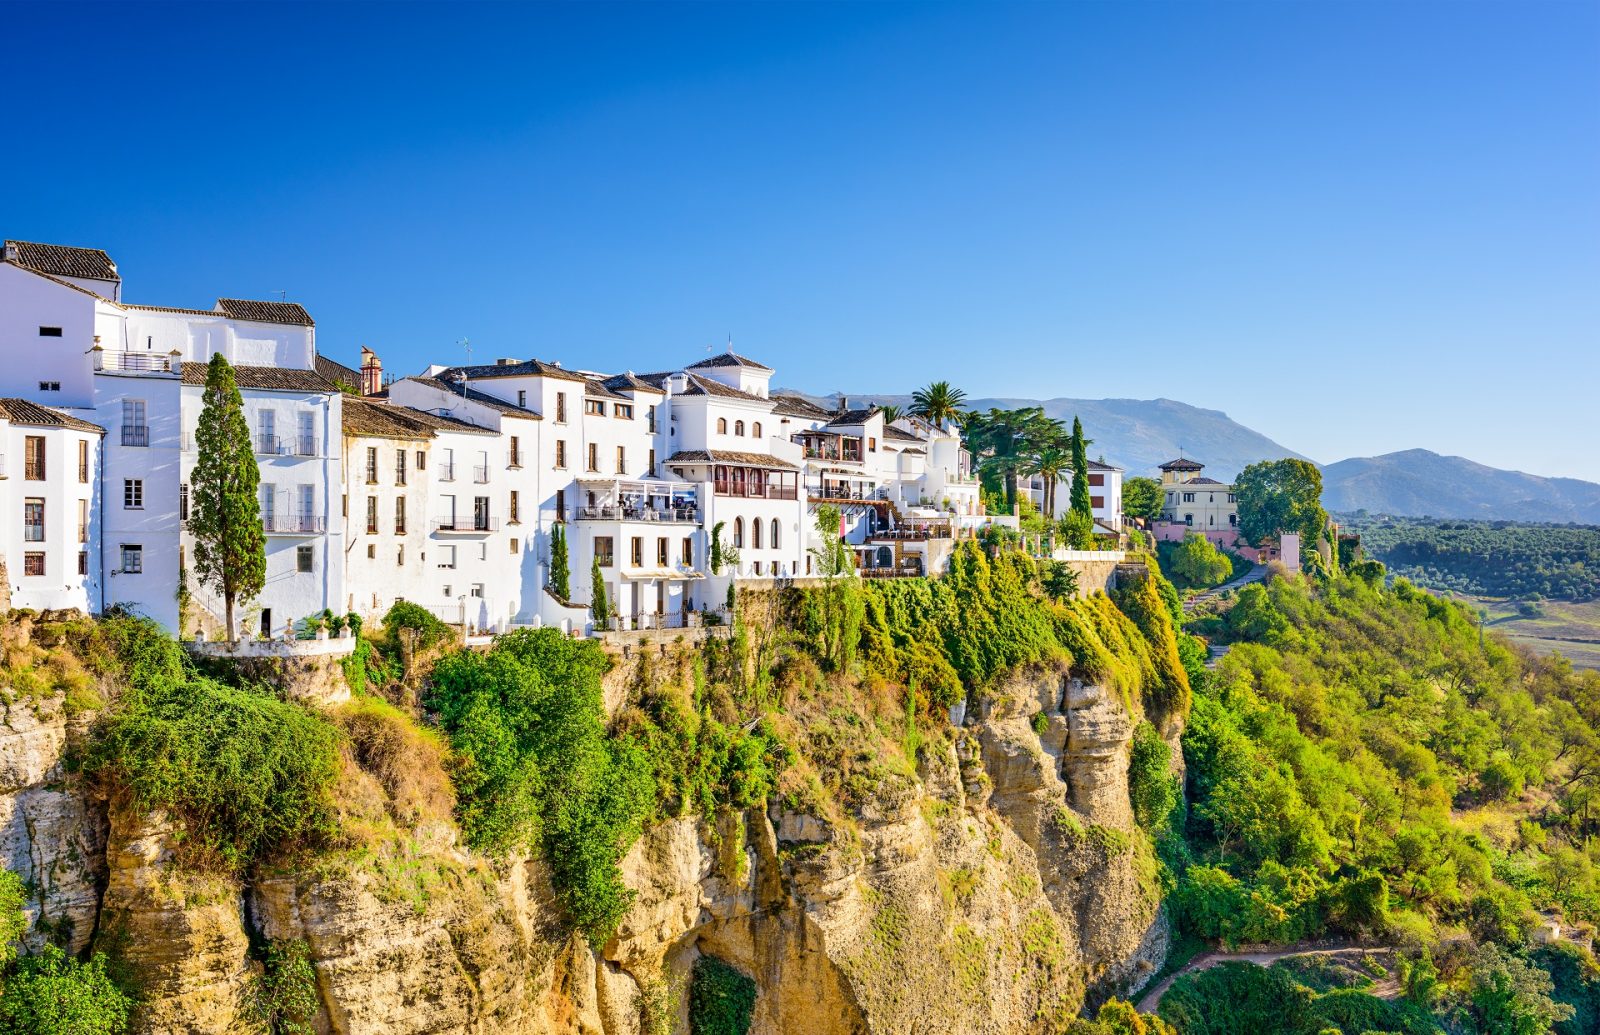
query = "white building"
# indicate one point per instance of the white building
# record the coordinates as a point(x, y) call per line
point(50, 484)
point(1105, 495)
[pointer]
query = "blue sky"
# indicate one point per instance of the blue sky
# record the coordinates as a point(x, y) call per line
point(1354, 227)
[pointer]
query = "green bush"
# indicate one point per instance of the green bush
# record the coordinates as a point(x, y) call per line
point(1194, 563)
point(243, 774)
point(536, 769)
point(287, 998)
point(430, 631)
point(721, 999)
point(1152, 787)
point(53, 994)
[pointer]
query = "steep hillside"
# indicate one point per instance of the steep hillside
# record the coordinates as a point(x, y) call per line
point(1417, 483)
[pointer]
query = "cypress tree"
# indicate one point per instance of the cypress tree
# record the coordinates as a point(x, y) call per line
point(1080, 471)
point(560, 575)
point(230, 548)
point(599, 605)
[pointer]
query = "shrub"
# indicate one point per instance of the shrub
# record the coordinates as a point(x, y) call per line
point(287, 997)
point(431, 632)
point(53, 994)
point(1152, 787)
point(408, 760)
point(243, 774)
point(721, 999)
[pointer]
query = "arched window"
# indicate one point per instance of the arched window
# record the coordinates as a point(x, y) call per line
point(755, 534)
point(738, 532)
point(755, 430)
point(722, 425)
point(774, 542)
point(738, 428)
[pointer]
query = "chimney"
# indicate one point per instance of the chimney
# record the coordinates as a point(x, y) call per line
point(507, 362)
point(371, 372)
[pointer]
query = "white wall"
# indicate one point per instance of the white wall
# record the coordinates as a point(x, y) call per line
point(27, 303)
point(61, 490)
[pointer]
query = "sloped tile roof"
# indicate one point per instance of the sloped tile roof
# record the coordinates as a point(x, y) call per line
point(630, 381)
point(271, 379)
point(476, 396)
point(730, 359)
point(335, 371)
point(599, 390)
point(894, 434)
point(1097, 465)
point(381, 420)
point(795, 406)
point(852, 418)
point(1181, 464)
point(440, 422)
point(526, 368)
point(728, 456)
point(1203, 481)
point(174, 309)
point(697, 385)
point(21, 411)
point(265, 312)
point(64, 260)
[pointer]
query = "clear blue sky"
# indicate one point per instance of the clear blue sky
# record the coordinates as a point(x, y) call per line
point(1355, 227)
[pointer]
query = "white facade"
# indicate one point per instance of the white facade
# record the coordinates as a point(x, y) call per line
point(49, 488)
point(1105, 494)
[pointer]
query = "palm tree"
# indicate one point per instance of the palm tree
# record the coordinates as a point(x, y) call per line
point(1007, 440)
point(891, 413)
point(1051, 461)
point(939, 404)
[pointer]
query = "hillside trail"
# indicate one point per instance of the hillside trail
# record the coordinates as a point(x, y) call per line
point(1383, 988)
point(1255, 574)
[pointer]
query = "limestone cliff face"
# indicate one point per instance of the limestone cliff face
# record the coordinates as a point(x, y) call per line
point(996, 891)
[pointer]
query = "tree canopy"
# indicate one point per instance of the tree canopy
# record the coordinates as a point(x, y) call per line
point(1280, 496)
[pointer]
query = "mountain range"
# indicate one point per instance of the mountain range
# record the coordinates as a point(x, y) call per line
point(1139, 434)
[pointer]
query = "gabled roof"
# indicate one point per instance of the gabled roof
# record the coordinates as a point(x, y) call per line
point(630, 382)
point(697, 385)
point(852, 418)
point(1182, 464)
point(265, 312)
point(380, 420)
point(1099, 465)
point(796, 406)
point(1204, 481)
point(63, 260)
point(730, 359)
point(728, 456)
point(894, 434)
point(337, 372)
point(600, 391)
point(271, 379)
point(476, 396)
point(21, 411)
point(524, 368)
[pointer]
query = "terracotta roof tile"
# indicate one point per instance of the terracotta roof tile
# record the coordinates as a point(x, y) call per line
point(63, 260)
point(467, 392)
point(730, 359)
point(337, 372)
point(271, 379)
point(380, 420)
point(265, 312)
point(796, 406)
point(630, 382)
point(728, 456)
point(1181, 464)
point(526, 368)
point(21, 411)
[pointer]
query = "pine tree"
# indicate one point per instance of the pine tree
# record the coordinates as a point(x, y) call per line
point(1080, 471)
point(598, 604)
point(230, 548)
point(560, 574)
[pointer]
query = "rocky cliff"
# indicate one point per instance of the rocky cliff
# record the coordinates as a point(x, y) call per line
point(996, 889)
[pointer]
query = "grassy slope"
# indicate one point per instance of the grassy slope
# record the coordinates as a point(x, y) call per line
point(1566, 627)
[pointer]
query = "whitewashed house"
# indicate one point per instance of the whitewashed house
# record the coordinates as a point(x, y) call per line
point(1105, 495)
point(49, 486)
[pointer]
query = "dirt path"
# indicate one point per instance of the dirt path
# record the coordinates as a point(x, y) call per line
point(1206, 960)
point(1255, 574)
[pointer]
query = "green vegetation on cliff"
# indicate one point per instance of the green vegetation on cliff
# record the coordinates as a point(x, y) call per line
point(49, 992)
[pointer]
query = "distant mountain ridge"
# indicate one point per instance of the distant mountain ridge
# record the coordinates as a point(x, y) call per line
point(1139, 434)
point(1420, 483)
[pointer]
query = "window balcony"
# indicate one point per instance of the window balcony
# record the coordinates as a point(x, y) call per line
point(447, 473)
point(136, 362)
point(305, 446)
point(293, 524)
point(680, 515)
point(467, 525)
point(480, 474)
point(136, 434)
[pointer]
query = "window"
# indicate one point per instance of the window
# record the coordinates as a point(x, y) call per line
point(1188, 497)
point(522, 398)
point(400, 557)
point(372, 465)
point(33, 458)
point(480, 473)
point(755, 430)
point(722, 425)
point(774, 543)
point(446, 593)
point(515, 509)
point(1097, 480)
point(594, 457)
point(622, 460)
point(808, 564)
point(447, 473)
point(594, 407)
point(447, 559)
point(636, 551)
point(133, 494)
point(561, 453)
point(422, 459)
point(399, 466)
point(755, 534)
point(602, 550)
point(33, 564)
point(1233, 519)
point(1097, 502)
point(135, 432)
point(516, 452)
point(652, 471)
point(49, 332)
point(561, 407)
point(399, 515)
point(305, 559)
point(738, 532)
point(738, 428)
point(515, 548)
point(622, 410)
point(1232, 498)
point(83, 461)
point(268, 439)
point(688, 551)
point(561, 504)
point(758, 567)
point(83, 521)
point(1188, 519)
point(480, 514)
point(372, 551)
point(49, 386)
point(33, 520)
point(83, 562)
point(650, 420)
point(872, 444)
point(306, 442)
point(663, 552)
point(372, 515)
point(477, 590)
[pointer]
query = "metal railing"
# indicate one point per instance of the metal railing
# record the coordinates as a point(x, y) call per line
point(846, 495)
point(293, 524)
point(674, 514)
point(136, 362)
point(467, 524)
point(305, 445)
point(136, 434)
point(480, 474)
point(269, 445)
point(912, 535)
point(447, 473)
point(755, 490)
